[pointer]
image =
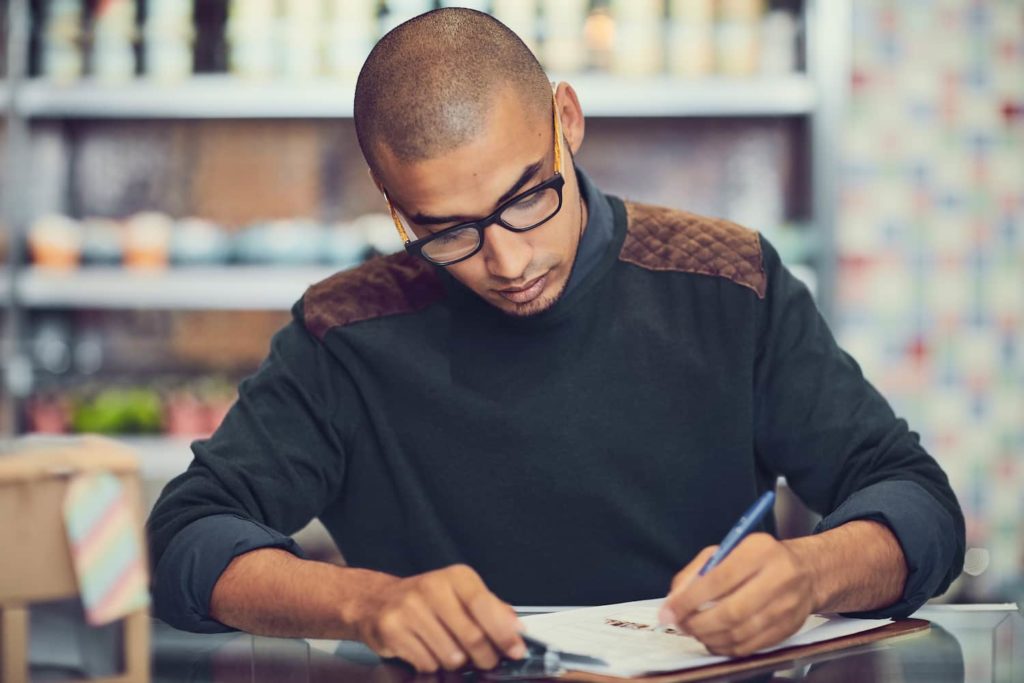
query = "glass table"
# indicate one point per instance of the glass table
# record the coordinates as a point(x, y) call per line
point(966, 644)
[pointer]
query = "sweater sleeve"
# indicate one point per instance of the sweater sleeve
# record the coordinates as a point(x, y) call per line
point(274, 463)
point(194, 560)
point(824, 427)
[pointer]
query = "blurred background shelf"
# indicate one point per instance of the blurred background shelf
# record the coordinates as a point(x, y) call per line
point(225, 96)
point(192, 288)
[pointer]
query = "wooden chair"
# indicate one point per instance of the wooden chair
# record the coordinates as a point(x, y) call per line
point(35, 561)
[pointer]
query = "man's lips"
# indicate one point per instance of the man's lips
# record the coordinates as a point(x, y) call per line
point(526, 293)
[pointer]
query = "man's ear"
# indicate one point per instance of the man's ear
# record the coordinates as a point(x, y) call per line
point(571, 115)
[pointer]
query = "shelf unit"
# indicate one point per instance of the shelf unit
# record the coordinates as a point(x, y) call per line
point(222, 96)
point(186, 288)
point(226, 288)
point(36, 108)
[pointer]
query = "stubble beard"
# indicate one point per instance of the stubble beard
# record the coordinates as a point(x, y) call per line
point(542, 304)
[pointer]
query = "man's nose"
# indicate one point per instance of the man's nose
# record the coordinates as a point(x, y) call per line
point(506, 253)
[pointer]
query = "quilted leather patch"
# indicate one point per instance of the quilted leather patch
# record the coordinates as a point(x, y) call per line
point(388, 285)
point(658, 238)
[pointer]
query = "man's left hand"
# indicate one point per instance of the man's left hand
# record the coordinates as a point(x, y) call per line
point(758, 596)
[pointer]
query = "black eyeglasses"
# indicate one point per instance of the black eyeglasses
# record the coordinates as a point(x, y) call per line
point(521, 213)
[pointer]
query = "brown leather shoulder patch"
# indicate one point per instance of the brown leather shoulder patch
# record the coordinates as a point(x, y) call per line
point(658, 238)
point(387, 285)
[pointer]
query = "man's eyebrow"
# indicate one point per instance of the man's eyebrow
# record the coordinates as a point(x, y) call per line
point(528, 173)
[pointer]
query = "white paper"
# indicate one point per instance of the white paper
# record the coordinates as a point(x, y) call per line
point(624, 637)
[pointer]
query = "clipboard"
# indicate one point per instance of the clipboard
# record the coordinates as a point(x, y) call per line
point(897, 629)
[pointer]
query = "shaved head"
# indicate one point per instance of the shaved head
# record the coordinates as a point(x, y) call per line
point(428, 85)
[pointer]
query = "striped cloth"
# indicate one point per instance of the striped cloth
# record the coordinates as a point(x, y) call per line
point(105, 549)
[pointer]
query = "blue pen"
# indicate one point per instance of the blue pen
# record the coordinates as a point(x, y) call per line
point(748, 521)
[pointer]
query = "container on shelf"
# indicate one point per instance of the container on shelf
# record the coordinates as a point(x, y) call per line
point(62, 59)
point(251, 33)
point(196, 241)
point(690, 49)
point(283, 242)
point(147, 239)
point(301, 51)
point(741, 10)
point(778, 56)
point(112, 56)
point(563, 49)
point(599, 34)
point(737, 37)
point(55, 241)
point(167, 38)
point(348, 45)
point(638, 37)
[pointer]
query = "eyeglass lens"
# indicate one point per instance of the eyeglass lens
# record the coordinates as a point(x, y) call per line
point(528, 212)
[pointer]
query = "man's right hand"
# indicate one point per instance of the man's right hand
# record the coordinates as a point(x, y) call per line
point(440, 620)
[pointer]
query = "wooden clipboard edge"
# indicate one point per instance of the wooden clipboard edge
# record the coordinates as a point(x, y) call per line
point(897, 629)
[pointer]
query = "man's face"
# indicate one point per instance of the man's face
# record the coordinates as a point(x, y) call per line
point(520, 273)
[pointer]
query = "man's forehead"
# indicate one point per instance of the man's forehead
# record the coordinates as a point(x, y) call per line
point(471, 176)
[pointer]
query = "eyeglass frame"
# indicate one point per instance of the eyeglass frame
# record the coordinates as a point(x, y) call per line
point(556, 181)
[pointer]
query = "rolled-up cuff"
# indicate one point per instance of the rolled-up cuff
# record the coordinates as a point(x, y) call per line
point(925, 531)
point(183, 581)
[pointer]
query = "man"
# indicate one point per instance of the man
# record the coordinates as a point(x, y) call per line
point(553, 397)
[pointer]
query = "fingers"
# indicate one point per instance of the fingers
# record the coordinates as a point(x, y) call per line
point(443, 620)
point(471, 637)
point(735, 611)
point(398, 640)
point(680, 582)
point(436, 637)
point(742, 563)
point(738, 610)
point(762, 612)
point(495, 618)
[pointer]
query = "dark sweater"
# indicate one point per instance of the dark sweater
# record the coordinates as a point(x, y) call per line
point(580, 456)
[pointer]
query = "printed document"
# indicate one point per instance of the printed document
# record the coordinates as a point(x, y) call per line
point(623, 639)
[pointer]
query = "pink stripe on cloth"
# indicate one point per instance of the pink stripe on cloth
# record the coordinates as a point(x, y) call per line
point(130, 585)
point(109, 517)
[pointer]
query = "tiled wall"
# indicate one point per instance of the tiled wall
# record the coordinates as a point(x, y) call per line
point(931, 243)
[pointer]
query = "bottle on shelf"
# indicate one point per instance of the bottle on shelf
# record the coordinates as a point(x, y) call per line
point(638, 37)
point(302, 39)
point(352, 29)
point(250, 32)
point(113, 38)
point(62, 41)
point(167, 37)
point(737, 39)
point(563, 49)
point(690, 49)
point(779, 30)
